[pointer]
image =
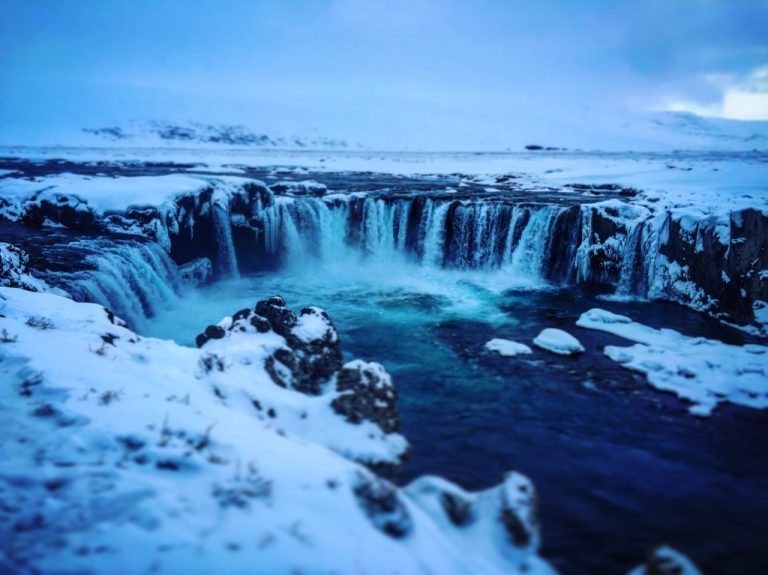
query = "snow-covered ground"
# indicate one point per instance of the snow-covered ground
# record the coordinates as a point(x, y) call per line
point(126, 451)
point(702, 371)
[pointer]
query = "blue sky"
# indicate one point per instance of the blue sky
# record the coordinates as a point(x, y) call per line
point(382, 70)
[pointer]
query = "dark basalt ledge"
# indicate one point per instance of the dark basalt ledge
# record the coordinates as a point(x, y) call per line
point(587, 243)
point(311, 363)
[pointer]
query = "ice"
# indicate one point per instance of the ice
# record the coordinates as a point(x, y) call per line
point(507, 348)
point(703, 371)
point(558, 341)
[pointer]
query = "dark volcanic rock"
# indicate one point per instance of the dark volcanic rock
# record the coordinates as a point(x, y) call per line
point(14, 268)
point(70, 211)
point(519, 514)
point(367, 393)
point(381, 503)
point(280, 318)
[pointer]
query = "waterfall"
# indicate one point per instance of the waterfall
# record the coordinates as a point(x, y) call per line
point(532, 242)
point(629, 275)
point(226, 263)
point(134, 279)
point(434, 233)
point(529, 256)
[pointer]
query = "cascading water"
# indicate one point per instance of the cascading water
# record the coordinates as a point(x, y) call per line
point(226, 260)
point(531, 243)
point(528, 258)
point(134, 279)
point(632, 280)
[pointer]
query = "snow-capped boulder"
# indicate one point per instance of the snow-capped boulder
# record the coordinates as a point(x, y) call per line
point(558, 341)
point(50, 206)
point(14, 269)
point(367, 393)
point(311, 354)
point(666, 561)
point(303, 188)
point(507, 348)
point(306, 357)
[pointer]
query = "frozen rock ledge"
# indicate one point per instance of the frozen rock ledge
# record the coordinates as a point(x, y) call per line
point(703, 371)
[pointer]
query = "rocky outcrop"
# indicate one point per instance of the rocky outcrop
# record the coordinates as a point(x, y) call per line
point(14, 269)
point(715, 266)
point(309, 361)
point(64, 209)
point(367, 393)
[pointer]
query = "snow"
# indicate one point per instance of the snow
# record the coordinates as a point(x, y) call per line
point(13, 269)
point(703, 371)
point(507, 348)
point(137, 452)
point(558, 341)
point(105, 194)
point(313, 326)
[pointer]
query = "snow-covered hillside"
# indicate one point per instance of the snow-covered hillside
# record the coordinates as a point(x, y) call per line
point(608, 132)
point(125, 451)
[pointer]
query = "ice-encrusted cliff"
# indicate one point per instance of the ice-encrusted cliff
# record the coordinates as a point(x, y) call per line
point(711, 257)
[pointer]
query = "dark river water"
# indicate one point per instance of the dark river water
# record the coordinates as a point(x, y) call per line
point(619, 466)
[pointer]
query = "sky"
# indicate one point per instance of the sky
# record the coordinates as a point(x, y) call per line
point(409, 73)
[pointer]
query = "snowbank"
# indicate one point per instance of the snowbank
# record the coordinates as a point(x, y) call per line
point(129, 451)
point(507, 348)
point(558, 341)
point(703, 371)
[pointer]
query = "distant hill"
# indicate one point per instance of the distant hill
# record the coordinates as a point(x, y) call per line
point(195, 133)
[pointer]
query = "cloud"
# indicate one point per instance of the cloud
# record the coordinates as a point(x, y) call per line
point(740, 99)
point(394, 71)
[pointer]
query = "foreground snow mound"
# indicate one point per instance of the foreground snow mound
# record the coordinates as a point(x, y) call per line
point(507, 348)
point(123, 450)
point(558, 341)
point(703, 371)
point(666, 561)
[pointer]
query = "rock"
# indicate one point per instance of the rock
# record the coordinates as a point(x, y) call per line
point(442, 499)
point(211, 332)
point(14, 269)
point(519, 514)
point(280, 318)
point(367, 394)
point(197, 272)
point(304, 188)
point(312, 354)
point(558, 341)
point(381, 503)
point(666, 561)
point(69, 211)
